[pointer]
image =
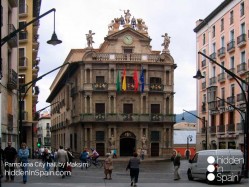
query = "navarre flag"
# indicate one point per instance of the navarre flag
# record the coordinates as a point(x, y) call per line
point(118, 87)
point(142, 80)
point(124, 80)
point(135, 78)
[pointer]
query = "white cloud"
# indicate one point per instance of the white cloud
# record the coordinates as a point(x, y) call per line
point(74, 18)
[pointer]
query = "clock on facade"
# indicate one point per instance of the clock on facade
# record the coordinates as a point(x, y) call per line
point(128, 39)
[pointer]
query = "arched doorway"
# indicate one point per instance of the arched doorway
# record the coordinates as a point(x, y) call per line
point(127, 143)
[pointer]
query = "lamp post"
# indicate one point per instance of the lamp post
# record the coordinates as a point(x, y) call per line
point(189, 139)
point(21, 99)
point(204, 123)
point(240, 81)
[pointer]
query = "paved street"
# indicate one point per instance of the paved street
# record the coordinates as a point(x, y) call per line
point(152, 174)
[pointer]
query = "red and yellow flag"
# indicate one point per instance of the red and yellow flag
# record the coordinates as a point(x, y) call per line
point(124, 80)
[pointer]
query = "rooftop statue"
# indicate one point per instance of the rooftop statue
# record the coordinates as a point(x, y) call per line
point(166, 42)
point(89, 38)
point(127, 16)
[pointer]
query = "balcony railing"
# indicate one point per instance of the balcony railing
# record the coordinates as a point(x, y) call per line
point(13, 41)
point(231, 46)
point(240, 127)
point(12, 79)
point(231, 99)
point(221, 103)
point(156, 87)
point(221, 128)
point(230, 128)
point(241, 40)
point(240, 97)
point(221, 52)
point(212, 105)
point(212, 129)
point(241, 68)
point(222, 77)
point(114, 117)
point(212, 81)
point(100, 86)
point(213, 56)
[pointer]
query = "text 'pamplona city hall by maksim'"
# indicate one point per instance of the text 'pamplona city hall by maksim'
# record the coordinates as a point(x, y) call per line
point(118, 97)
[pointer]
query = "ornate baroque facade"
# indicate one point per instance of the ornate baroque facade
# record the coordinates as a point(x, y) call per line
point(89, 111)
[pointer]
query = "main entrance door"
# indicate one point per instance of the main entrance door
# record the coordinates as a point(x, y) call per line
point(127, 143)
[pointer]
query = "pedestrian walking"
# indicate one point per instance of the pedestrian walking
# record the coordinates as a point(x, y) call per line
point(70, 160)
point(55, 159)
point(23, 154)
point(47, 160)
point(62, 160)
point(83, 158)
point(9, 158)
point(176, 161)
point(133, 166)
point(108, 167)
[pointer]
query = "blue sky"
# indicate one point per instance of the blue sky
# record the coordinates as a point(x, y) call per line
point(75, 17)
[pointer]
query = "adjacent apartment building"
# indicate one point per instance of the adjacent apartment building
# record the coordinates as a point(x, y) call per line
point(28, 66)
point(8, 74)
point(223, 36)
point(43, 130)
point(118, 97)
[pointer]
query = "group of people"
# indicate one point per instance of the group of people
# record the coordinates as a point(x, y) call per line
point(9, 156)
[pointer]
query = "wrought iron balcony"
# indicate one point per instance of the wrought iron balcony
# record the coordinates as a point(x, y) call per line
point(231, 99)
point(212, 129)
point(240, 97)
point(156, 87)
point(221, 103)
point(221, 52)
point(231, 46)
point(212, 81)
point(222, 77)
point(13, 41)
point(221, 128)
point(240, 127)
point(213, 56)
point(100, 86)
point(241, 68)
point(12, 79)
point(131, 117)
point(241, 40)
point(230, 128)
point(212, 105)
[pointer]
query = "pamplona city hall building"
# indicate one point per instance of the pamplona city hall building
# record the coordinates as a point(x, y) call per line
point(118, 97)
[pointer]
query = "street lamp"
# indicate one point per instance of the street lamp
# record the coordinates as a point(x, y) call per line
point(21, 99)
point(54, 40)
point(240, 81)
point(204, 123)
point(189, 139)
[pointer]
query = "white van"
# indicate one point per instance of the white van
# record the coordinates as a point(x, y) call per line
point(221, 165)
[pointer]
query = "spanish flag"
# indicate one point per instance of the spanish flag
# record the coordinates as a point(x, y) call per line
point(124, 80)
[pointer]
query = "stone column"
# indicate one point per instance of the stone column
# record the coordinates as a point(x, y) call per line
point(85, 109)
point(109, 103)
point(91, 105)
point(141, 104)
point(85, 75)
point(114, 103)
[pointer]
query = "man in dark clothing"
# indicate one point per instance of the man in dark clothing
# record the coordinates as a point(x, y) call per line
point(176, 161)
point(9, 157)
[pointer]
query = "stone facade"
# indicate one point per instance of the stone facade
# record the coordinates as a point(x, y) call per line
point(90, 112)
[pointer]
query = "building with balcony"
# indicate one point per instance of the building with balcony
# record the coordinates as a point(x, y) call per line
point(28, 65)
point(8, 75)
point(92, 110)
point(223, 32)
point(44, 130)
